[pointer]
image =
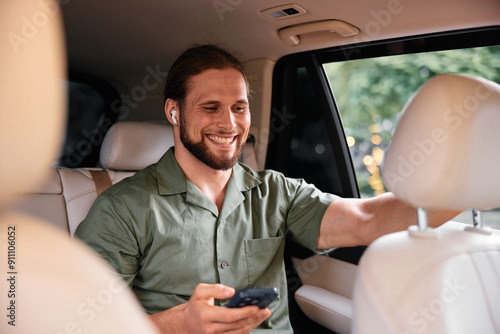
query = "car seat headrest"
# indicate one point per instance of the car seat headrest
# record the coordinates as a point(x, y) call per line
point(132, 146)
point(32, 98)
point(445, 152)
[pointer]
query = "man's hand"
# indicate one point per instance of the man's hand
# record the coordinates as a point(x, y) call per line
point(200, 315)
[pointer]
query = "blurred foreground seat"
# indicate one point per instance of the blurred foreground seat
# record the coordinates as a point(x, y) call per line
point(50, 284)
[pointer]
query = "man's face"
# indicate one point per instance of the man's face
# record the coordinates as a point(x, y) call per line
point(215, 120)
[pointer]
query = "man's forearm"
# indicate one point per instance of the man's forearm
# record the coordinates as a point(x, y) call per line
point(169, 321)
point(354, 222)
point(385, 214)
point(388, 214)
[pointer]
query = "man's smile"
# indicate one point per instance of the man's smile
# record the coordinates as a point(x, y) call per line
point(222, 139)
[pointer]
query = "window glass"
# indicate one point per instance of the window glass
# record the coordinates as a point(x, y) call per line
point(370, 94)
point(311, 154)
point(303, 138)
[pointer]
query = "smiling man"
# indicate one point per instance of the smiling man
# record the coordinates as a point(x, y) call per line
point(219, 141)
point(214, 124)
point(188, 231)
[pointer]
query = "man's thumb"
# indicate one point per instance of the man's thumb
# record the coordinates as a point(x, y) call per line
point(216, 291)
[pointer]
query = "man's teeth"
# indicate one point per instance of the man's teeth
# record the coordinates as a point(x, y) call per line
point(220, 140)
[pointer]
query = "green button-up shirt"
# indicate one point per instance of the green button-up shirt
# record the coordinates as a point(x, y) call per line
point(164, 235)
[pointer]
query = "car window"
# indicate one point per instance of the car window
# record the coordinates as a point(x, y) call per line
point(306, 138)
point(370, 94)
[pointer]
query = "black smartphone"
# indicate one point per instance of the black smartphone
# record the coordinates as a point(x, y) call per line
point(261, 297)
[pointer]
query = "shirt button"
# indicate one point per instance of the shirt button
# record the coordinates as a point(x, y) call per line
point(224, 265)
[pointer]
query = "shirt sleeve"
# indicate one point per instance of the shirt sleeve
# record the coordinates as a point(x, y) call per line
point(107, 232)
point(307, 207)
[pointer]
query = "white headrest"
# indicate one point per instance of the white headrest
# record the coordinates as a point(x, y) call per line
point(135, 145)
point(32, 98)
point(445, 152)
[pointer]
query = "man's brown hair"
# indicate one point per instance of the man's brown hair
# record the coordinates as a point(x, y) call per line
point(192, 62)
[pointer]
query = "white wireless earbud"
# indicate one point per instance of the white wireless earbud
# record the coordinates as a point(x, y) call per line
point(173, 116)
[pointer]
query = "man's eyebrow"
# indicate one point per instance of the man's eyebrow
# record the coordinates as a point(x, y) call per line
point(218, 102)
point(209, 102)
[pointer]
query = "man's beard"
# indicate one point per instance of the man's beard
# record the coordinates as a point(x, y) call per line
point(201, 151)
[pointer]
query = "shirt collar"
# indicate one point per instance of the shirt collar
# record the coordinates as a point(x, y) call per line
point(172, 180)
point(243, 179)
point(240, 181)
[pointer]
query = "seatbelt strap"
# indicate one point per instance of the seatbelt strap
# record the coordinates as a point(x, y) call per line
point(101, 180)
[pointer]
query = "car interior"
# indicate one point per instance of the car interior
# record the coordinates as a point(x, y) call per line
point(346, 95)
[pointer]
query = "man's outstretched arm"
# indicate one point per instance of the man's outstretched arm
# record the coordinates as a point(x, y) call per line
point(354, 222)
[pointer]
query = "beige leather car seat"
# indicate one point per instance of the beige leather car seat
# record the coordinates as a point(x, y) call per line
point(444, 154)
point(127, 148)
point(50, 284)
point(45, 201)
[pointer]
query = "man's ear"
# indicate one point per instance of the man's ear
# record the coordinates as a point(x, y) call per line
point(171, 111)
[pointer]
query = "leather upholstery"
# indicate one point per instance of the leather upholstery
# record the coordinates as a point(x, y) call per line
point(331, 310)
point(127, 148)
point(46, 201)
point(443, 152)
point(79, 192)
point(135, 145)
point(444, 284)
point(326, 292)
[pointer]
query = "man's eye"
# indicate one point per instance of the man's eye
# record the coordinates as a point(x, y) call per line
point(239, 109)
point(210, 108)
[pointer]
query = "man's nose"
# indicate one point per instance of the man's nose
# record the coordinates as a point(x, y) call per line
point(226, 119)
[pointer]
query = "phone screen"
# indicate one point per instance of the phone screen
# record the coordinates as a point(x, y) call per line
point(260, 297)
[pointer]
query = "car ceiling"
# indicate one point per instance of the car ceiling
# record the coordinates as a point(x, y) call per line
point(118, 39)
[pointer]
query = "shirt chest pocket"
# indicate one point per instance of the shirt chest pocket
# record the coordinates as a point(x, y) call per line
point(264, 259)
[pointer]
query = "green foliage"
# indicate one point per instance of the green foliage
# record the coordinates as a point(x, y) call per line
point(374, 91)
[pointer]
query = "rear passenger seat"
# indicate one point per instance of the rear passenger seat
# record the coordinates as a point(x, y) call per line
point(68, 194)
point(127, 148)
point(46, 202)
